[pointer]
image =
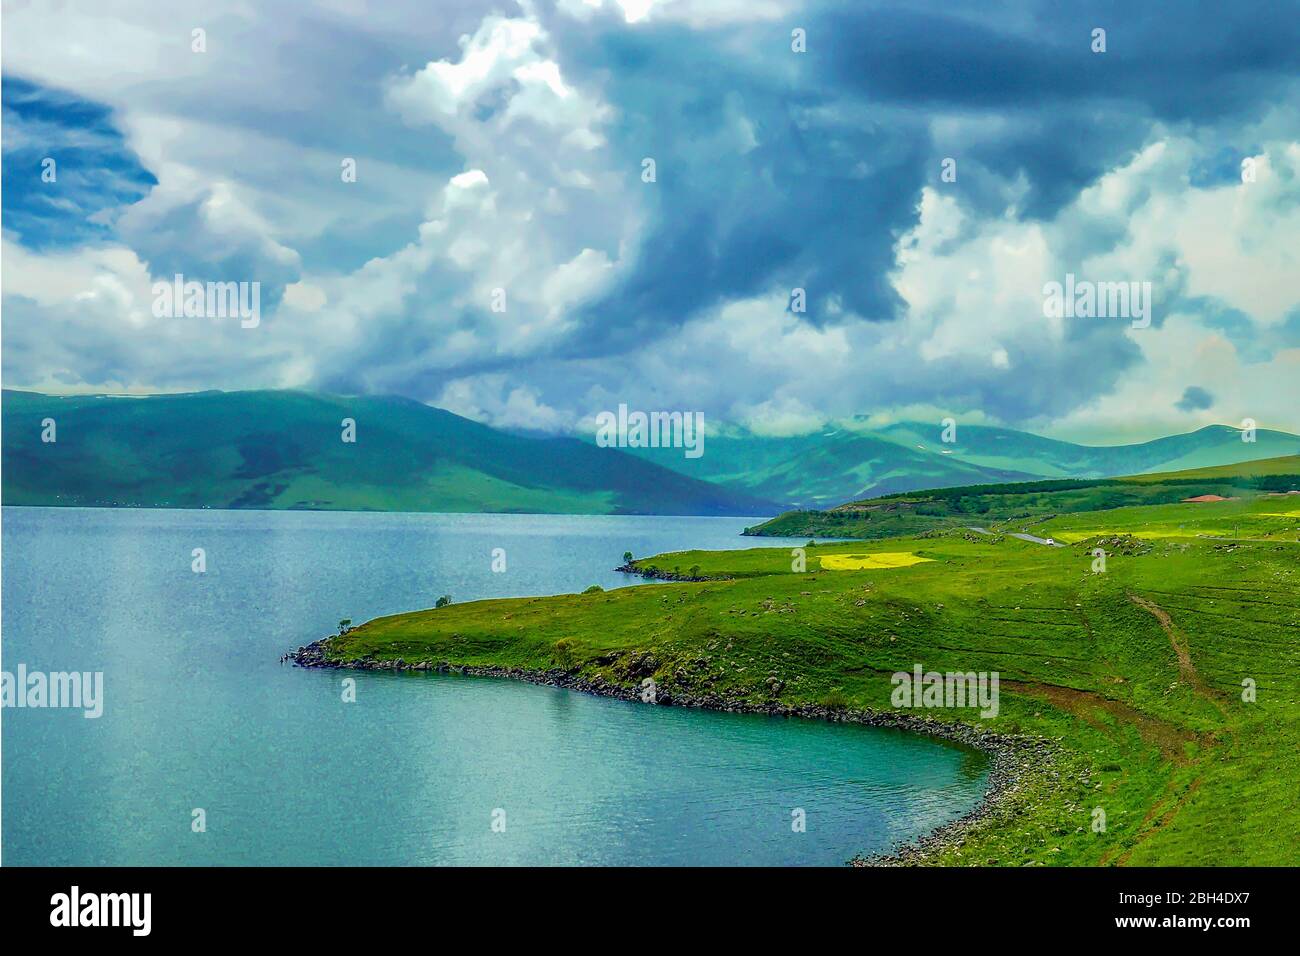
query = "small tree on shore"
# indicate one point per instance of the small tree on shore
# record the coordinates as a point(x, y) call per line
point(345, 625)
point(627, 557)
point(563, 650)
point(443, 601)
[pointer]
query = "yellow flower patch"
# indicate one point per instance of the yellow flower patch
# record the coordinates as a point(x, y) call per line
point(860, 562)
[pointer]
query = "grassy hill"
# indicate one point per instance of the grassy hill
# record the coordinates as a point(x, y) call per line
point(1135, 676)
point(993, 505)
point(850, 462)
point(283, 450)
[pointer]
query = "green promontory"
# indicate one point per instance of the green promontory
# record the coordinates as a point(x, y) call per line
point(1169, 678)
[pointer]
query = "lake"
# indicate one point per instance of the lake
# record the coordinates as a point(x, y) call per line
point(199, 714)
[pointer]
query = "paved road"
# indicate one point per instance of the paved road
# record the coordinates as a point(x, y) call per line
point(1037, 540)
point(1022, 537)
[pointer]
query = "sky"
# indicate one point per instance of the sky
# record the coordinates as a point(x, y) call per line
point(920, 170)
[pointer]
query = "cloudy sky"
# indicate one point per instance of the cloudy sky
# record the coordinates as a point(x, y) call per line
point(501, 145)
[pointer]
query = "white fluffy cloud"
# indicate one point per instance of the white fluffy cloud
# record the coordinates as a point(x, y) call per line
point(696, 13)
point(1233, 242)
point(1186, 352)
point(493, 398)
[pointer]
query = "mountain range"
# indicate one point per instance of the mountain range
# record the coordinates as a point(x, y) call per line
point(851, 461)
point(277, 449)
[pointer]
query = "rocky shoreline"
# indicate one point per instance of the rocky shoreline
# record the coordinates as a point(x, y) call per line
point(1013, 759)
point(660, 575)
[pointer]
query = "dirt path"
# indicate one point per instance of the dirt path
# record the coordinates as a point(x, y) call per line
point(1120, 855)
point(1094, 710)
point(1186, 669)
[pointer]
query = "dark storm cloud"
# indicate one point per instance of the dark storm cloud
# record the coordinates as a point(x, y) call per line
point(1067, 114)
point(1179, 60)
point(844, 132)
point(762, 181)
point(1194, 399)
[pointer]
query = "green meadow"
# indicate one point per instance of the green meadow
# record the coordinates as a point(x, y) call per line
point(1169, 681)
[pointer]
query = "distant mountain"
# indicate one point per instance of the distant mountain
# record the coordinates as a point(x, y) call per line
point(283, 450)
point(847, 463)
point(1048, 458)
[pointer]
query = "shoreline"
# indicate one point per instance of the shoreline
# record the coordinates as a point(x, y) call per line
point(658, 574)
point(1013, 759)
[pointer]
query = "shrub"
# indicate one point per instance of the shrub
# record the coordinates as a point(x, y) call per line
point(443, 601)
point(563, 652)
point(835, 700)
point(594, 589)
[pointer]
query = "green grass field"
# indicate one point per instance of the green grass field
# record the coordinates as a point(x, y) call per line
point(1136, 672)
point(1263, 518)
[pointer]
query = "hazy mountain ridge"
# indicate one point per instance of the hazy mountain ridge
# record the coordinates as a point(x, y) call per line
point(847, 463)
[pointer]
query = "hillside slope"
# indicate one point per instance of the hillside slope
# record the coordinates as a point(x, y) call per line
point(283, 450)
point(987, 505)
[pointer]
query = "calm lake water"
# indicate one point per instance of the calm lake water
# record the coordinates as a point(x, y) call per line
point(198, 712)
